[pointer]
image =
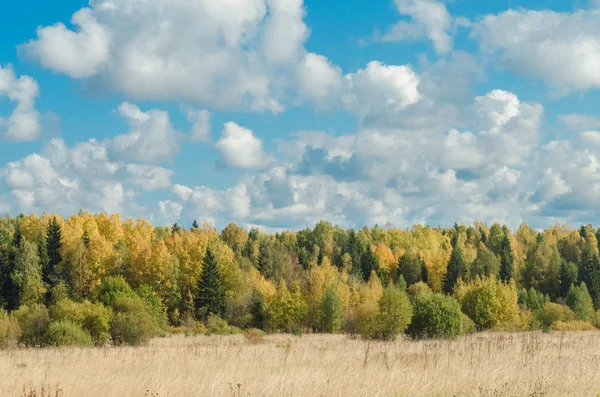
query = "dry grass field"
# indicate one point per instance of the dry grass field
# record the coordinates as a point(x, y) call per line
point(526, 364)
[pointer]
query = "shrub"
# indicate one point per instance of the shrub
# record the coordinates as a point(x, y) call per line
point(435, 316)
point(393, 316)
point(468, 326)
point(33, 321)
point(572, 326)
point(133, 323)
point(9, 330)
point(112, 288)
point(92, 317)
point(488, 302)
point(580, 301)
point(418, 289)
point(67, 333)
point(216, 325)
point(532, 299)
point(553, 312)
point(254, 335)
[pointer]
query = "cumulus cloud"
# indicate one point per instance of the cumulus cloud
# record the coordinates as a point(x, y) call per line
point(240, 148)
point(428, 18)
point(151, 137)
point(562, 49)
point(201, 125)
point(214, 53)
point(23, 124)
point(66, 179)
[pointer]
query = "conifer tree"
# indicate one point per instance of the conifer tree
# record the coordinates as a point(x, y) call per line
point(210, 296)
point(8, 290)
point(457, 266)
point(368, 264)
point(424, 271)
point(568, 276)
point(85, 238)
point(194, 225)
point(507, 260)
point(331, 311)
point(53, 248)
point(589, 273)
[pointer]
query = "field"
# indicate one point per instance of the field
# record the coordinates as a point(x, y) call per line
point(488, 364)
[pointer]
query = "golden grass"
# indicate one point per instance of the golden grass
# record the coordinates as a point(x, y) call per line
point(488, 364)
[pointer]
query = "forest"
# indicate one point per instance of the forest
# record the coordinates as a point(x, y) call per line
point(96, 279)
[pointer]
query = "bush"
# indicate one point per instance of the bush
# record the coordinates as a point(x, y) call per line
point(393, 316)
point(468, 326)
point(133, 323)
point(532, 299)
point(553, 312)
point(112, 288)
point(572, 326)
point(418, 289)
point(67, 333)
point(254, 335)
point(92, 317)
point(488, 302)
point(33, 321)
point(216, 325)
point(435, 316)
point(580, 301)
point(9, 330)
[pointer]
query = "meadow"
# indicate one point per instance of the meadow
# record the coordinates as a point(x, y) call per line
point(483, 364)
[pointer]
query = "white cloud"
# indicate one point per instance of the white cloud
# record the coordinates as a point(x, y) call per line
point(580, 122)
point(79, 54)
point(563, 49)
point(169, 212)
point(151, 137)
point(231, 54)
point(319, 79)
point(24, 122)
point(429, 18)
point(201, 125)
point(66, 179)
point(240, 148)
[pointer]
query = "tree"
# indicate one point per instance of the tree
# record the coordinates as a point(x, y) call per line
point(589, 273)
point(568, 276)
point(580, 301)
point(331, 311)
point(194, 225)
point(411, 267)
point(424, 271)
point(85, 239)
point(368, 264)
point(9, 293)
point(507, 260)
point(457, 266)
point(53, 247)
point(210, 296)
point(486, 264)
point(27, 274)
point(435, 316)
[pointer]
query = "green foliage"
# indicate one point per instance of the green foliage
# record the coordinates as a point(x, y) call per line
point(94, 318)
point(217, 326)
point(580, 301)
point(410, 266)
point(532, 299)
point(10, 331)
point(210, 296)
point(418, 289)
point(33, 321)
point(435, 316)
point(485, 265)
point(393, 316)
point(589, 273)
point(331, 311)
point(507, 260)
point(287, 312)
point(553, 312)
point(569, 275)
point(368, 264)
point(27, 274)
point(53, 248)
point(457, 267)
point(133, 322)
point(468, 325)
point(67, 333)
point(488, 302)
point(112, 288)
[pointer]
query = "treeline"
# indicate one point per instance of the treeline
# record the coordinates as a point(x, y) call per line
point(96, 279)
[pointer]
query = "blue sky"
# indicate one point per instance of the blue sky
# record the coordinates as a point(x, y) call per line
point(278, 113)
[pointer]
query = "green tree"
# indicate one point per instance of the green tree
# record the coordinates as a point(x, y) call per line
point(589, 273)
point(53, 248)
point(9, 293)
point(85, 239)
point(210, 296)
point(411, 268)
point(580, 301)
point(486, 264)
point(435, 316)
point(457, 266)
point(368, 264)
point(394, 315)
point(568, 276)
point(507, 260)
point(331, 311)
point(27, 275)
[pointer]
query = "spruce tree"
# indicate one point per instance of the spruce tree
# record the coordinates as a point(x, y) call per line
point(53, 247)
point(568, 276)
point(194, 225)
point(210, 296)
point(424, 271)
point(457, 266)
point(589, 273)
point(42, 251)
point(507, 261)
point(8, 291)
point(368, 264)
point(85, 239)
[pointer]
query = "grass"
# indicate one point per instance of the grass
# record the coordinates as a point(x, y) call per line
point(487, 364)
